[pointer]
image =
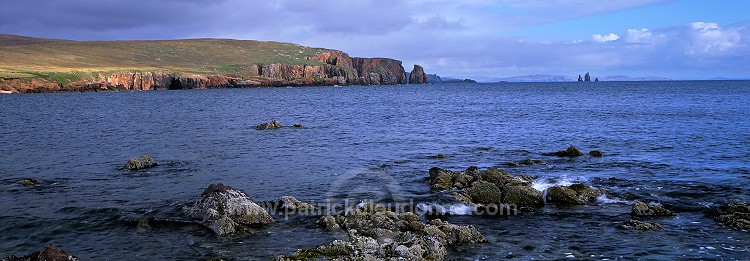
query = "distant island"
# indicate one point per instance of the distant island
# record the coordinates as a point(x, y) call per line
point(561, 78)
point(29, 65)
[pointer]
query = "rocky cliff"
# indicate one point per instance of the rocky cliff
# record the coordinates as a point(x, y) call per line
point(417, 75)
point(333, 68)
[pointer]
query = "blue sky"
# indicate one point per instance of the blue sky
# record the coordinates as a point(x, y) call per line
point(689, 39)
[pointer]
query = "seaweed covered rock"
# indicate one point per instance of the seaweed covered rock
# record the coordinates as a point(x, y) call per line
point(572, 151)
point(491, 186)
point(273, 124)
point(29, 182)
point(639, 225)
point(736, 215)
point(576, 194)
point(140, 163)
point(226, 210)
point(641, 209)
point(289, 204)
point(50, 253)
point(376, 233)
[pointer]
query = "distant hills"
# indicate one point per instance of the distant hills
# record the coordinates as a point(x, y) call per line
point(561, 78)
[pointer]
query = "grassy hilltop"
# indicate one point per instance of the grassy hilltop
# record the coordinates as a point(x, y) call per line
point(65, 61)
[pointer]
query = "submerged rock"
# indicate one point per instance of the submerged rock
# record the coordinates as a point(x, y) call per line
point(298, 126)
point(226, 210)
point(140, 163)
point(640, 225)
point(527, 162)
point(273, 124)
point(438, 156)
point(28, 182)
point(736, 215)
point(596, 153)
point(50, 253)
point(376, 233)
point(572, 151)
point(641, 209)
point(576, 194)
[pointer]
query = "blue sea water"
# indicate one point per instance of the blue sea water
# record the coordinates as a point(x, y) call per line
point(685, 144)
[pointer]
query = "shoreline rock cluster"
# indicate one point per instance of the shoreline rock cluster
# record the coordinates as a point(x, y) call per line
point(50, 253)
point(376, 233)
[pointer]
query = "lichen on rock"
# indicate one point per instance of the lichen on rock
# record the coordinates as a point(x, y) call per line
point(140, 163)
point(226, 210)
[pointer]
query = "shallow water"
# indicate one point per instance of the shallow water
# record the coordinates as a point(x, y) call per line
point(685, 144)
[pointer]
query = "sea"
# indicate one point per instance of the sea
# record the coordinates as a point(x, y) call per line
point(682, 144)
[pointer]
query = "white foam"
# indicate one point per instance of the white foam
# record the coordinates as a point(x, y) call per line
point(543, 184)
point(445, 209)
point(606, 200)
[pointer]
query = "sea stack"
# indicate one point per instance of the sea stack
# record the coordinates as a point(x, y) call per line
point(417, 75)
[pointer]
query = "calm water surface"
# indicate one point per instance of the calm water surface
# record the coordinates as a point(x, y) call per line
point(685, 144)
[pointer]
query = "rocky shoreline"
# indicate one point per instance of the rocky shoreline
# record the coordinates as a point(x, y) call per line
point(379, 232)
point(335, 68)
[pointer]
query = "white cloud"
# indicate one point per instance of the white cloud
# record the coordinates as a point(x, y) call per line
point(709, 39)
point(605, 38)
point(642, 35)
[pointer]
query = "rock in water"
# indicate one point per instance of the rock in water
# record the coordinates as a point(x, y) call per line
point(572, 151)
point(376, 233)
point(576, 194)
point(226, 210)
point(28, 182)
point(736, 215)
point(639, 225)
point(596, 153)
point(273, 124)
point(298, 126)
point(50, 253)
point(140, 163)
point(641, 209)
point(417, 75)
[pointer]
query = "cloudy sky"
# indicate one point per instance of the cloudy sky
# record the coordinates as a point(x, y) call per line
point(687, 39)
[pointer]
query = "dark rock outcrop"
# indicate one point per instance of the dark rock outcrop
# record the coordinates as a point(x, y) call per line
point(377, 71)
point(572, 151)
point(491, 186)
point(596, 153)
point(376, 233)
point(640, 225)
point(140, 163)
point(736, 215)
point(50, 253)
point(576, 194)
point(417, 75)
point(227, 211)
point(641, 209)
point(587, 77)
point(273, 124)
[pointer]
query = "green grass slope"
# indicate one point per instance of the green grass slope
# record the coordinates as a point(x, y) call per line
point(63, 61)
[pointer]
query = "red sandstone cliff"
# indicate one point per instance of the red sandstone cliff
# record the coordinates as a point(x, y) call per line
point(417, 75)
point(337, 68)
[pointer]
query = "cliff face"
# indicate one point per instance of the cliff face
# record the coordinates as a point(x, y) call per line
point(417, 75)
point(337, 68)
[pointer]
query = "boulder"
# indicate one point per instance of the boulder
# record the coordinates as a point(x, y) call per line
point(273, 124)
point(576, 194)
point(227, 211)
point(572, 151)
point(376, 233)
point(140, 163)
point(522, 195)
point(50, 253)
point(298, 126)
point(639, 225)
point(484, 192)
point(736, 215)
point(596, 153)
point(441, 179)
point(438, 156)
point(641, 209)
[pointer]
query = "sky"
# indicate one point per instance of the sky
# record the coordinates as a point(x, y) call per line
point(689, 39)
